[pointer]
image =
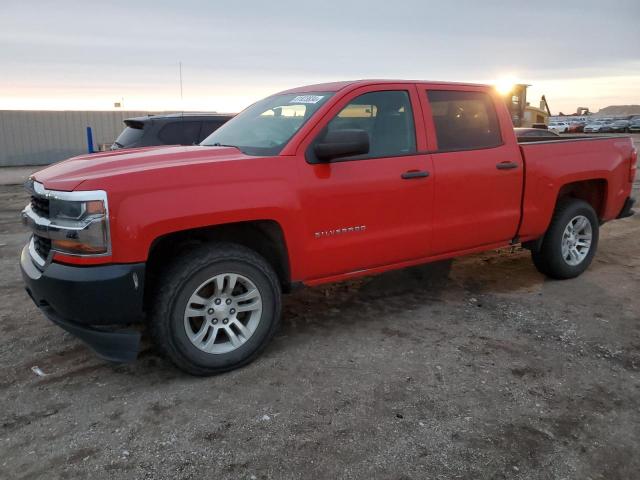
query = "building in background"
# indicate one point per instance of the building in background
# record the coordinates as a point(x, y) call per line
point(43, 137)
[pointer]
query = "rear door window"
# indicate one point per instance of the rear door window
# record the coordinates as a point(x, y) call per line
point(180, 133)
point(464, 120)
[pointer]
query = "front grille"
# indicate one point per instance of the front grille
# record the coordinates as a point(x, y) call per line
point(40, 206)
point(42, 246)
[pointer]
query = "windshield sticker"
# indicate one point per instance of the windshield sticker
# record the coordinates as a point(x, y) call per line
point(307, 99)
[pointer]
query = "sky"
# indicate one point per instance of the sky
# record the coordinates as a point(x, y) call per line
point(86, 55)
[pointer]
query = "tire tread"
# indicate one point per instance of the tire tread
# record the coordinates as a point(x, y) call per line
point(547, 260)
point(177, 273)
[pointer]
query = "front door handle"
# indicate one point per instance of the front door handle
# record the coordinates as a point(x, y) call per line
point(506, 165)
point(411, 174)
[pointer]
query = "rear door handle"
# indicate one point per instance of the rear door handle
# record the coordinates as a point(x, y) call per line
point(506, 165)
point(411, 174)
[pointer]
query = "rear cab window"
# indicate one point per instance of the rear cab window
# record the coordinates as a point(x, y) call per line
point(464, 120)
point(131, 135)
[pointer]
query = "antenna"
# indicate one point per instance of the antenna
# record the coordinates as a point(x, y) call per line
point(181, 96)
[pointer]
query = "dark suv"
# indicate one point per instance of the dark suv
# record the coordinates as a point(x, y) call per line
point(171, 129)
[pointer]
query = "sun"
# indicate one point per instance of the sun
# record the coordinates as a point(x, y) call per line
point(505, 84)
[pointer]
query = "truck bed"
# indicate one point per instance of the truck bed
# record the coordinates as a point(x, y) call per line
point(552, 164)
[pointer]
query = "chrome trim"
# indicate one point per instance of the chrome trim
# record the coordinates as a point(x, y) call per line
point(35, 256)
point(75, 196)
point(340, 231)
point(46, 228)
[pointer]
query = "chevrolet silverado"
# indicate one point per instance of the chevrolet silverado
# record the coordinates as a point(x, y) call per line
point(312, 185)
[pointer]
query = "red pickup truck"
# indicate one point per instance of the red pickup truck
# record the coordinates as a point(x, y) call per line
point(312, 185)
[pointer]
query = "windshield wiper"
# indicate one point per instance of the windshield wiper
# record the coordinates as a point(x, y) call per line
point(218, 144)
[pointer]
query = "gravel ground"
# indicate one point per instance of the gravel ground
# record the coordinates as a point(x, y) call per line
point(492, 372)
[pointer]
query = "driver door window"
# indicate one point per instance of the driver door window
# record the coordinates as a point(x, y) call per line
point(387, 118)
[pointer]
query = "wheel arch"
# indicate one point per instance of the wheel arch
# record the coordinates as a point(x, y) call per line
point(593, 191)
point(265, 237)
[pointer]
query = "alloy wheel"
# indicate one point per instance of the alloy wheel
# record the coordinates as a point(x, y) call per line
point(223, 313)
point(576, 240)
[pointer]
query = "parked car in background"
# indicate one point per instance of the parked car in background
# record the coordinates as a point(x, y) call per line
point(534, 133)
point(607, 127)
point(594, 127)
point(559, 127)
point(577, 127)
point(619, 126)
point(634, 125)
point(171, 129)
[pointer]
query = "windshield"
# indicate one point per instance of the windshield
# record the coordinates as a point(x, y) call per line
point(266, 126)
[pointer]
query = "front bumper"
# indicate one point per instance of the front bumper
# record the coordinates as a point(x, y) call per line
point(80, 298)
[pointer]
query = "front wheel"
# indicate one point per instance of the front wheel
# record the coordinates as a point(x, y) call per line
point(571, 241)
point(216, 308)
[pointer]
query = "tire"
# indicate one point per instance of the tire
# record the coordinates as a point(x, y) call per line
point(197, 274)
point(549, 259)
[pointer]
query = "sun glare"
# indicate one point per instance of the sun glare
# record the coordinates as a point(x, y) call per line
point(505, 84)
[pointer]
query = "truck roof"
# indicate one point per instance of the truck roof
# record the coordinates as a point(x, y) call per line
point(336, 86)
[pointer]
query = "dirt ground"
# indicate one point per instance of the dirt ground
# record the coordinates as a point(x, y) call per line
point(494, 372)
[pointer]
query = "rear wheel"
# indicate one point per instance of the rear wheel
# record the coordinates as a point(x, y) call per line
point(217, 307)
point(571, 241)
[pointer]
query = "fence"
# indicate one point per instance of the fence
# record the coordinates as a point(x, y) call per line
point(43, 137)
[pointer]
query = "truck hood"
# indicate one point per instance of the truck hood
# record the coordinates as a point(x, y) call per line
point(69, 174)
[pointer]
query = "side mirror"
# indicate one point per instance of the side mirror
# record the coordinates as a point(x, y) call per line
point(342, 143)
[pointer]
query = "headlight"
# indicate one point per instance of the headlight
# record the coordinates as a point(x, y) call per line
point(77, 223)
point(81, 226)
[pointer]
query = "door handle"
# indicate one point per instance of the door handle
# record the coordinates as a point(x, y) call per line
point(506, 165)
point(411, 174)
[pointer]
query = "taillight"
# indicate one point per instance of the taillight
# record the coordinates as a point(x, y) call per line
point(633, 166)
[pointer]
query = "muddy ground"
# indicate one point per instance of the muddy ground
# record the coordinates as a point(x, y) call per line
point(494, 372)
